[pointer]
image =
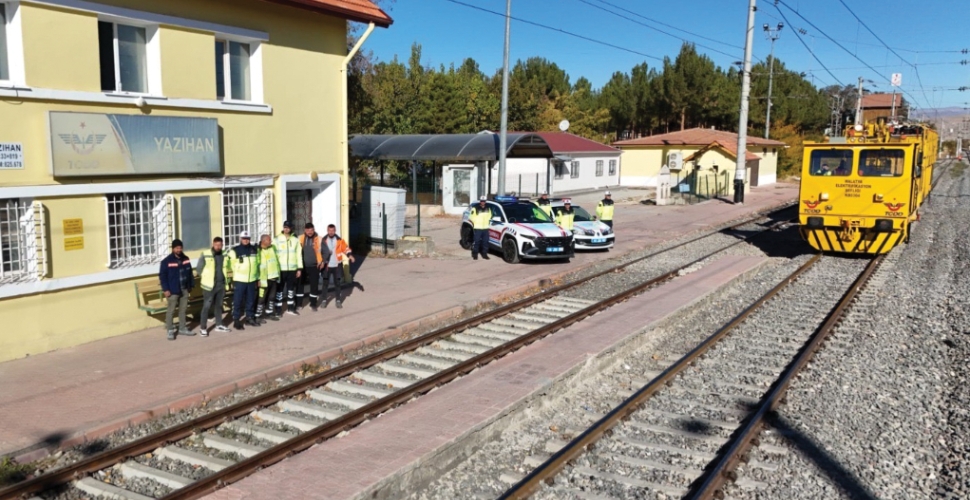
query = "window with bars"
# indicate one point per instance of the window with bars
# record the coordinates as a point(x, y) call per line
point(23, 249)
point(246, 209)
point(574, 169)
point(560, 170)
point(612, 167)
point(140, 228)
point(599, 168)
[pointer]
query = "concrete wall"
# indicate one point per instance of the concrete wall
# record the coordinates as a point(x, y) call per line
point(291, 141)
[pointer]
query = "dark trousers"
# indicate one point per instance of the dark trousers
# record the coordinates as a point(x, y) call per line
point(287, 285)
point(309, 275)
point(215, 297)
point(480, 244)
point(244, 300)
point(267, 295)
point(338, 277)
point(607, 222)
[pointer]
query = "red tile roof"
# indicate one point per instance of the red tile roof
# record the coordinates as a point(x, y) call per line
point(564, 142)
point(698, 137)
point(364, 11)
point(881, 101)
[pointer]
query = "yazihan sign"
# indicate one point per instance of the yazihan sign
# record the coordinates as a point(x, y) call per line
point(93, 144)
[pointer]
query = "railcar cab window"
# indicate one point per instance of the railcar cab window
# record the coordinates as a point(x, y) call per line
point(579, 214)
point(881, 163)
point(526, 214)
point(831, 162)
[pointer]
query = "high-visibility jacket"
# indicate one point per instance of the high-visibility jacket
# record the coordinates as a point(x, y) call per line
point(564, 219)
point(545, 206)
point(209, 270)
point(316, 246)
point(288, 252)
point(341, 248)
point(480, 218)
point(604, 211)
point(245, 264)
point(269, 266)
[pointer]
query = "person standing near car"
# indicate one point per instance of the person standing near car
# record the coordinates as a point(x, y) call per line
point(566, 215)
point(338, 252)
point(213, 267)
point(175, 276)
point(269, 279)
point(288, 252)
point(313, 262)
point(245, 280)
point(604, 210)
point(480, 217)
point(544, 204)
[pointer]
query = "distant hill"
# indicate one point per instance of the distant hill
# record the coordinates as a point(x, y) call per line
point(933, 113)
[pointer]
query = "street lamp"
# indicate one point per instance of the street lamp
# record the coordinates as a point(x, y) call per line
point(772, 34)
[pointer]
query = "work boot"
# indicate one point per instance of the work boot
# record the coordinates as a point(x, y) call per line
point(485, 256)
point(474, 257)
point(293, 310)
point(340, 304)
point(274, 317)
point(253, 322)
point(238, 325)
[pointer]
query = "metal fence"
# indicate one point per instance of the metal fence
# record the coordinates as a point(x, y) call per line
point(699, 186)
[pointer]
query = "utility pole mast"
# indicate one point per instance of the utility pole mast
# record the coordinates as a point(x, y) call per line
point(503, 139)
point(772, 34)
point(741, 168)
point(858, 105)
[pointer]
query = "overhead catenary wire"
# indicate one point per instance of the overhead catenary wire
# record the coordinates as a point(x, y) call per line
point(809, 49)
point(558, 30)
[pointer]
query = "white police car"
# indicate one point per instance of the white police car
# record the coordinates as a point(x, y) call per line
point(588, 234)
point(520, 230)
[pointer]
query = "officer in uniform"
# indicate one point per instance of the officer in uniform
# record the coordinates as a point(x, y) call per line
point(288, 253)
point(544, 204)
point(213, 267)
point(269, 280)
point(244, 259)
point(604, 211)
point(480, 217)
point(566, 215)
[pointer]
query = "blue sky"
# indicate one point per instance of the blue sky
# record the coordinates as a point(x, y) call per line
point(449, 32)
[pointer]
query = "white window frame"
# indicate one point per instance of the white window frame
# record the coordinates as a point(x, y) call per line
point(161, 215)
point(599, 168)
point(257, 216)
point(31, 235)
point(255, 69)
point(574, 169)
point(612, 170)
point(15, 45)
point(153, 56)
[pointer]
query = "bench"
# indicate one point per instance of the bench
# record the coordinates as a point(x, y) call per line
point(151, 297)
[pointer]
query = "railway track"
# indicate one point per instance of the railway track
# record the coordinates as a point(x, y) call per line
point(226, 445)
point(686, 429)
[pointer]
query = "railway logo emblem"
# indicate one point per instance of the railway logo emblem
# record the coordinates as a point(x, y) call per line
point(894, 207)
point(83, 145)
point(810, 204)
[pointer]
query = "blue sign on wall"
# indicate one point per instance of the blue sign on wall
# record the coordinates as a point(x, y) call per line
point(93, 144)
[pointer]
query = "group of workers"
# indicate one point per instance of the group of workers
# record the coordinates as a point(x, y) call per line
point(481, 217)
point(261, 276)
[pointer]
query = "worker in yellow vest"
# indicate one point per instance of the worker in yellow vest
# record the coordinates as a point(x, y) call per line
point(604, 211)
point(244, 259)
point(288, 253)
point(269, 280)
point(566, 215)
point(544, 204)
point(480, 217)
point(213, 268)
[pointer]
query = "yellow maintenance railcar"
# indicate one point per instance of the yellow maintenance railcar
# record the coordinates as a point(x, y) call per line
point(861, 192)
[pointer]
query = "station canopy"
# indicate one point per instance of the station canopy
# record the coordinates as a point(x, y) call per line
point(447, 147)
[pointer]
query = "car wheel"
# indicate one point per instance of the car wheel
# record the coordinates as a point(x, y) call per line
point(466, 237)
point(510, 251)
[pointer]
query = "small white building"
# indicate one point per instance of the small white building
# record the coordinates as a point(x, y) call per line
point(578, 164)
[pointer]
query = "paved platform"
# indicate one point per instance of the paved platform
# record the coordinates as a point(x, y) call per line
point(72, 395)
point(400, 441)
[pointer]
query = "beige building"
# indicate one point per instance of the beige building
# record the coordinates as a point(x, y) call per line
point(708, 159)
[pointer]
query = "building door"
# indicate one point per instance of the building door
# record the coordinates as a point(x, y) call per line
point(299, 208)
point(459, 187)
point(753, 168)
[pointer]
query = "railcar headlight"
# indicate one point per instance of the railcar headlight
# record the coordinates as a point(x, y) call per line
point(884, 225)
point(823, 197)
point(877, 197)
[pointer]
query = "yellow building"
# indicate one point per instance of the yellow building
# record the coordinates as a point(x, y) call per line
point(127, 123)
point(707, 160)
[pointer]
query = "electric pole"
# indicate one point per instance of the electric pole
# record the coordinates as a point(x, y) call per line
point(502, 142)
point(741, 168)
point(858, 105)
point(772, 34)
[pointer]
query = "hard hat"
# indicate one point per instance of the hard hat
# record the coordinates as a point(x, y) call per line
point(545, 193)
point(244, 235)
point(567, 201)
point(607, 193)
point(481, 198)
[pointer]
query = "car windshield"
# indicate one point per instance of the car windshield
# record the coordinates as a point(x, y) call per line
point(579, 214)
point(526, 214)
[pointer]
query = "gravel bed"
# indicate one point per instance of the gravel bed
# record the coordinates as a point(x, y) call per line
point(562, 415)
point(885, 414)
point(174, 466)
